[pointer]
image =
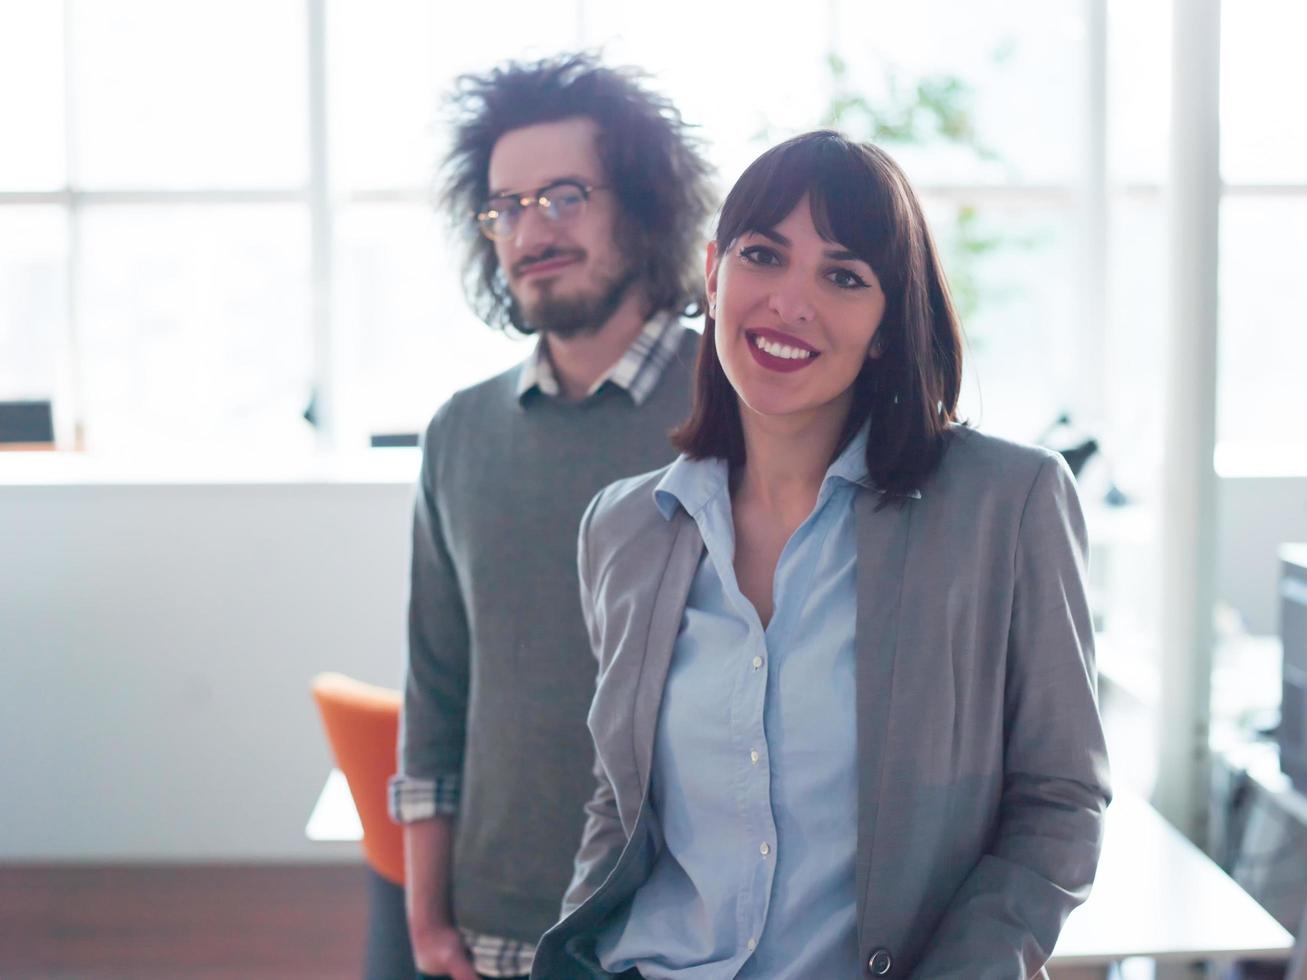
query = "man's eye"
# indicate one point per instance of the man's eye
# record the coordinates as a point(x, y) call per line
point(563, 194)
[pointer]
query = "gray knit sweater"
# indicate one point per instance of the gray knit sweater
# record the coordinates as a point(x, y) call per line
point(500, 668)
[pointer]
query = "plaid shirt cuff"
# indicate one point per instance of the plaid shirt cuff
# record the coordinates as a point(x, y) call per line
point(413, 798)
point(494, 956)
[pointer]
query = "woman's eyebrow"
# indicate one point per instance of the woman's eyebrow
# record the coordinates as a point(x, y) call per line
point(841, 255)
point(838, 254)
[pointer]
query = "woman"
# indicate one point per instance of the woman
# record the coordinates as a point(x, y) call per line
point(845, 719)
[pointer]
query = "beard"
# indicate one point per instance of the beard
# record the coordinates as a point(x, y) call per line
point(580, 313)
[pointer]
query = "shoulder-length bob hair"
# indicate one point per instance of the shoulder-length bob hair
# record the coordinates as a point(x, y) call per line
point(651, 161)
point(861, 200)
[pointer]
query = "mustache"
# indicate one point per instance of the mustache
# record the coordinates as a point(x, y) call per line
point(552, 252)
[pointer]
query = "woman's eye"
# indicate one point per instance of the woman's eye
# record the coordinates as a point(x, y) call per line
point(759, 255)
point(846, 279)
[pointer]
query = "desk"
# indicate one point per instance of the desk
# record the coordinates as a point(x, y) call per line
point(1156, 895)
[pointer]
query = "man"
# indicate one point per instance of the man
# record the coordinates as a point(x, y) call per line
point(583, 202)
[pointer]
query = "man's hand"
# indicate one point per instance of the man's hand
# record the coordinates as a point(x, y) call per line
point(437, 944)
point(439, 951)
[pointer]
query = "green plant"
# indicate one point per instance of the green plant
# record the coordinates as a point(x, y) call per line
point(932, 110)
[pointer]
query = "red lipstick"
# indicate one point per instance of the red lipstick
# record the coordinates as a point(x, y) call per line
point(772, 362)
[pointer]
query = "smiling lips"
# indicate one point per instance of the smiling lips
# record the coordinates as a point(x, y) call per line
point(778, 351)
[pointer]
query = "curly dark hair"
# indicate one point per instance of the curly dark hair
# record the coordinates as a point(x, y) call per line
point(860, 198)
point(652, 162)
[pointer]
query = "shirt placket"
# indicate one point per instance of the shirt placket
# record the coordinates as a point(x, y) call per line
point(796, 559)
point(756, 841)
point(759, 845)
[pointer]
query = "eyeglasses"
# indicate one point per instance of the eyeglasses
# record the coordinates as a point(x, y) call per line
point(562, 202)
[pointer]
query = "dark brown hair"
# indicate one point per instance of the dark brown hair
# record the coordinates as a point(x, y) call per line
point(861, 200)
point(650, 160)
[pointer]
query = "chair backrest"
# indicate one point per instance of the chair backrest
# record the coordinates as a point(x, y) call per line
point(362, 723)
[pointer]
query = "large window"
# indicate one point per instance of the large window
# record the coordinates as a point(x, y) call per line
point(216, 218)
point(1263, 292)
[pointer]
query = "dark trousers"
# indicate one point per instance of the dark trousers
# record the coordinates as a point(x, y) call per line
point(390, 954)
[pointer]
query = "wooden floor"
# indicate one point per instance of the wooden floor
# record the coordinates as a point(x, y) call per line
point(193, 922)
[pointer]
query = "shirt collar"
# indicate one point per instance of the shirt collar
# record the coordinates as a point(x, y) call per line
point(851, 464)
point(692, 483)
point(636, 372)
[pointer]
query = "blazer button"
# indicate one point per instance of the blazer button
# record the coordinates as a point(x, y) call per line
point(880, 963)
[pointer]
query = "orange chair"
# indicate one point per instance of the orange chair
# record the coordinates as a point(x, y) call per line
point(362, 723)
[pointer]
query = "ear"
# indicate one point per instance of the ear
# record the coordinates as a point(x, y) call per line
point(710, 278)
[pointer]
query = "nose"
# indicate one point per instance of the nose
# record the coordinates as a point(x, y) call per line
point(534, 231)
point(790, 301)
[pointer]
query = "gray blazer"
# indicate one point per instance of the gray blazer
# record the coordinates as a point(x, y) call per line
point(982, 770)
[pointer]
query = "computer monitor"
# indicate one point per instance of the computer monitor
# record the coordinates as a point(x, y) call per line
point(26, 425)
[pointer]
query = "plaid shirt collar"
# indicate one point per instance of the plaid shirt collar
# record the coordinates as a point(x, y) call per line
point(636, 372)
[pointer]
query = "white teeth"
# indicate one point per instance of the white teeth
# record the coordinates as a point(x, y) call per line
point(781, 350)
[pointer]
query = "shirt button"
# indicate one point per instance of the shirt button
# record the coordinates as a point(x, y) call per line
point(752, 944)
point(757, 662)
point(753, 756)
point(764, 848)
point(880, 963)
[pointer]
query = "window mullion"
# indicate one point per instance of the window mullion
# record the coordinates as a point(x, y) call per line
point(69, 394)
point(1091, 332)
point(327, 388)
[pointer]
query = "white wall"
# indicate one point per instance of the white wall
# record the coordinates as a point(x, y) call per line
point(156, 642)
point(1257, 515)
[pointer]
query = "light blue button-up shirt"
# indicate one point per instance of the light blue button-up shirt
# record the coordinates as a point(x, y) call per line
point(754, 779)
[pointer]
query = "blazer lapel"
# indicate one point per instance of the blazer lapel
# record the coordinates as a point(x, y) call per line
point(664, 625)
point(882, 550)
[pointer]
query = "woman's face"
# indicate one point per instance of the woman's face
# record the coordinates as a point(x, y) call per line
point(795, 318)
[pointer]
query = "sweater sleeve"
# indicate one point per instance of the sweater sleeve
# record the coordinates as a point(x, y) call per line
point(432, 728)
point(1005, 918)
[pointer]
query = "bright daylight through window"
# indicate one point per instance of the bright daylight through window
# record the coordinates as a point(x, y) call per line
point(194, 259)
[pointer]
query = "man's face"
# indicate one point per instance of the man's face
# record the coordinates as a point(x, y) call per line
point(567, 275)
